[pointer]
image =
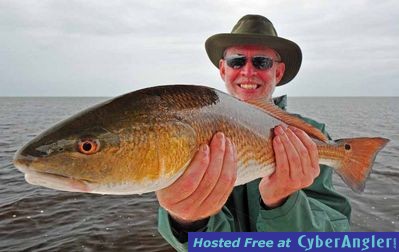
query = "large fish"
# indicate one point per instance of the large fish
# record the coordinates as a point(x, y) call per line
point(143, 141)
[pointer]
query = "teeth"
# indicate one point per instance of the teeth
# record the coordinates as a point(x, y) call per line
point(248, 86)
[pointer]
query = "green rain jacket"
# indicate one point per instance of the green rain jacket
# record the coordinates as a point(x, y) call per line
point(316, 208)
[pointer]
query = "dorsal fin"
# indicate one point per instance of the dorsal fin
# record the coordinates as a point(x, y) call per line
point(274, 111)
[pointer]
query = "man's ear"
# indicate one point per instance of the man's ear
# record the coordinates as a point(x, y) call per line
point(222, 69)
point(280, 69)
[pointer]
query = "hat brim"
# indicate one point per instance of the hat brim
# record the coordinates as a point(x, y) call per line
point(289, 51)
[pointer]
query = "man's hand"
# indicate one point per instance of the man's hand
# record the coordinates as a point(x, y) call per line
point(297, 165)
point(205, 185)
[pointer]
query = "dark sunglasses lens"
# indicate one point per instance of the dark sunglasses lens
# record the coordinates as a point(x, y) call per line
point(236, 62)
point(261, 62)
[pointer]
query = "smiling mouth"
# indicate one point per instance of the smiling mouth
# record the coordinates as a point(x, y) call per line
point(249, 86)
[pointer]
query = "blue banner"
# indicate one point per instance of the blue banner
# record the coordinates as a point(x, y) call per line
point(293, 241)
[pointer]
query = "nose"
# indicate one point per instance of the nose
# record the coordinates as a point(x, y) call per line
point(248, 70)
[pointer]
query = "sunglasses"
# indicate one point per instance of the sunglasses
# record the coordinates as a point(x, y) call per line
point(259, 62)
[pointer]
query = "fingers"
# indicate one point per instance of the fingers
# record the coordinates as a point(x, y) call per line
point(228, 176)
point(281, 158)
point(301, 151)
point(299, 158)
point(186, 184)
point(294, 161)
point(311, 148)
point(211, 189)
point(297, 165)
point(213, 171)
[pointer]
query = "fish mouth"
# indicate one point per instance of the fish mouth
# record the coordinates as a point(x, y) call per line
point(59, 182)
point(51, 180)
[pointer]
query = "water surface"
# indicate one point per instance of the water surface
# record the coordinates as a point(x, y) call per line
point(40, 219)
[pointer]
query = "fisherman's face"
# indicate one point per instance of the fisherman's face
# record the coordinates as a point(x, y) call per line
point(246, 81)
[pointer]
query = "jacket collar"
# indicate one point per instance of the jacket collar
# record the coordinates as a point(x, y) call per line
point(281, 101)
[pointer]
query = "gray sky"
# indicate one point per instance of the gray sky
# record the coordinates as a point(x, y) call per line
point(107, 48)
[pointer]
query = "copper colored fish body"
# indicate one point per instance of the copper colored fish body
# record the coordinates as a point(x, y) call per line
point(143, 141)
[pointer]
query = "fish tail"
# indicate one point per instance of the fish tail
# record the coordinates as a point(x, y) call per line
point(358, 157)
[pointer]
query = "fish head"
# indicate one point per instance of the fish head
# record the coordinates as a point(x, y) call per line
point(74, 155)
point(136, 143)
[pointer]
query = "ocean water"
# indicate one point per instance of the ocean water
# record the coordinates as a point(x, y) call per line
point(38, 219)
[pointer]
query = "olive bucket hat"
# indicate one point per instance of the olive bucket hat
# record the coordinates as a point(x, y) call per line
point(256, 30)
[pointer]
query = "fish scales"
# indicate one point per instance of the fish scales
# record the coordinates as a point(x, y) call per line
point(208, 116)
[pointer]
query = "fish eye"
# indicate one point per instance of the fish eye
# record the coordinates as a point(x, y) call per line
point(88, 146)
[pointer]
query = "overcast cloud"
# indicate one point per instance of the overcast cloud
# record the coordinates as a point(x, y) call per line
point(106, 48)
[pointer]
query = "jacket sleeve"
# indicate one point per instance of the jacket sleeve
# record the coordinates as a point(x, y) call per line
point(221, 222)
point(316, 208)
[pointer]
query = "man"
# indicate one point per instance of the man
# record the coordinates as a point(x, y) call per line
point(298, 196)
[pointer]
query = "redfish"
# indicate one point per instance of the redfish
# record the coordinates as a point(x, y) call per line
point(143, 141)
